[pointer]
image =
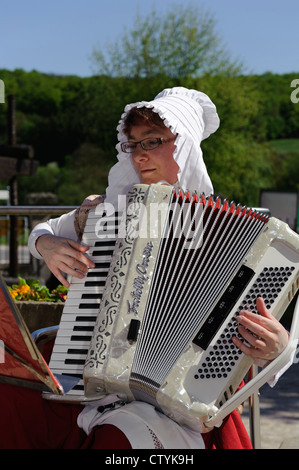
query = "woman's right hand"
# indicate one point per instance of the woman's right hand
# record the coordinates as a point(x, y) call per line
point(63, 255)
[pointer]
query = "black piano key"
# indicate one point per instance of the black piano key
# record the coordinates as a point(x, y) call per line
point(81, 338)
point(102, 266)
point(77, 351)
point(105, 243)
point(87, 318)
point(94, 284)
point(75, 362)
point(96, 274)
point(92, 296)
point(83, 328)
point(89, 306)
point(102, 253)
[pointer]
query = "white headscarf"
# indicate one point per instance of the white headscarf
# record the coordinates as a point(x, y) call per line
point(190, 115)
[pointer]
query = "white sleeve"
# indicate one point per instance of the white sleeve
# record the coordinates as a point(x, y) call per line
point(62, 226)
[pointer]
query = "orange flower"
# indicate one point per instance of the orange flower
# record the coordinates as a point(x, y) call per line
point(24, 289)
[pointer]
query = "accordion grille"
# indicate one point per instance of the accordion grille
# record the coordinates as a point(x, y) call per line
point(201, 248)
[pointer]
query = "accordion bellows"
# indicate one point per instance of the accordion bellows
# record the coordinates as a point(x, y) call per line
point(184, 265)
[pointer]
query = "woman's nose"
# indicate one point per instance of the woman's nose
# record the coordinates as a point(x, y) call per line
point(140, 154)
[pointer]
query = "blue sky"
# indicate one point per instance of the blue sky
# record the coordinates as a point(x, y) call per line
point(58, 36)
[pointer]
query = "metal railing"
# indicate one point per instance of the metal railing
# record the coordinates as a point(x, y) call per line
point(35, 210)
point(12, 253)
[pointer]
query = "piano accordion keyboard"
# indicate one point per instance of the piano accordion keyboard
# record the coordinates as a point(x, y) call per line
point(83, 303)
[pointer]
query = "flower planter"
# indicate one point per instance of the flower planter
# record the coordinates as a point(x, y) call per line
point(40, 314)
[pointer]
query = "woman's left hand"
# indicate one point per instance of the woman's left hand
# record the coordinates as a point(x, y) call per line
point(266, 337)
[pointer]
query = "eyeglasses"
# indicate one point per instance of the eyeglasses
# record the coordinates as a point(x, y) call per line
point(146, 144)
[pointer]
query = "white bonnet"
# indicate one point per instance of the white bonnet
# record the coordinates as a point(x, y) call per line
point(191, 115)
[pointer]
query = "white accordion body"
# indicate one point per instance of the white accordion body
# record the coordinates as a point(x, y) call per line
point(183, 267)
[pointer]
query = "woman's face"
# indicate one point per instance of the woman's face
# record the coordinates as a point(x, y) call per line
point(158, 164)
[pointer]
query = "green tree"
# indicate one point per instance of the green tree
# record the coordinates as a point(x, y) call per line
point(181, 43)
point(85, 173)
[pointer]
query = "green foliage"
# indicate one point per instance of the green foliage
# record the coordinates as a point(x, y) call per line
point(239, 168)
point(85, 173)
point(181, 43)
point(50, 112)
point(237, 160)
point(286, 166)
point(72, 121)
point(31, 290)
point(46, 179)
point(279, 116)
point(284, 146)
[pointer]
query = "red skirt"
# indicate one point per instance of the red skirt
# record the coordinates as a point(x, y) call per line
point(28, 421)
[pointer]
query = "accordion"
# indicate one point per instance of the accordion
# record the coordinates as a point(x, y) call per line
point(184, 266)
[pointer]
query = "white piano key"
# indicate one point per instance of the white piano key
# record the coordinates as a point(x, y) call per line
point(85, 318)
point(82, 304)
point(101, 255)
point(101, 267)
point(85, 282)
point(71, 310)
point(66, 346)
point(107, 233)
point(76, 295)
point(70, 328)
point(93, 217)
point(83, 287)
point(79, 303)
point(78, 373)
point(71, 348)
point(75, 341)
point(90, 293)
point(70, 356)
point(61, 348)
point(82, 342)
point(64, 352)
point(83, 335)
point(80, 358)
point(61, 359)
point(88, 279)
point(97, 255)
point(60, 368)
point(91, 237)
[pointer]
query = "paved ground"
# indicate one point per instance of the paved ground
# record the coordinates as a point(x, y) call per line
point(279, 412)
